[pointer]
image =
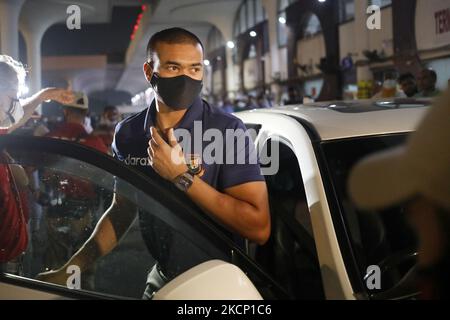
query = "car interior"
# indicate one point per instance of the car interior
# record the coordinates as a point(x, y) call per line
point(378, 238)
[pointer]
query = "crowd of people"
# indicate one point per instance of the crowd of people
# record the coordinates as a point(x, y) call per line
point(250, 101)
point(243, 102)
point(407, 85)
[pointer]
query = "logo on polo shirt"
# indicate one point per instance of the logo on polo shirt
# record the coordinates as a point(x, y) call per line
point(194, 163)
point(137, 161)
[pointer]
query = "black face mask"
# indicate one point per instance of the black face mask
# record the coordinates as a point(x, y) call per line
point(178, 92)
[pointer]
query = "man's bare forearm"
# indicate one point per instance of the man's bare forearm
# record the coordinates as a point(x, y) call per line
point(249, 219)
point(109, 230)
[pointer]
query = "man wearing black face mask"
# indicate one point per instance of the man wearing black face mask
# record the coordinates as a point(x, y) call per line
point(234, 194)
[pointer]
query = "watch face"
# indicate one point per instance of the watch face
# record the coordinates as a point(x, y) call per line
point(184, 182)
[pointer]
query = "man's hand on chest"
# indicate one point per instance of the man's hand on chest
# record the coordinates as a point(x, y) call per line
point(167, 159)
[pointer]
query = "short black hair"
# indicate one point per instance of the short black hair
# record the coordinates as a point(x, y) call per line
point(406, 76)
point(172, 36)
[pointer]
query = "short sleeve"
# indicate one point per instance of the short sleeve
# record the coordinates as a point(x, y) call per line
point(118, 142)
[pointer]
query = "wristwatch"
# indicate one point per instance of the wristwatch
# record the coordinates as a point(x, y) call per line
point(184, 181)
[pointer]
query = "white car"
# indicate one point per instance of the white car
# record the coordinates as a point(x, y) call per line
point(321, 247)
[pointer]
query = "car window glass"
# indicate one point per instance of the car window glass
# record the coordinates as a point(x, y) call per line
point(381, 238)
point(64, 200)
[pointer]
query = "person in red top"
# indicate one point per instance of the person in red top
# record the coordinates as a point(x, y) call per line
point(108, 122)
point(13, 218)
point(14, 114)
point(72, 129)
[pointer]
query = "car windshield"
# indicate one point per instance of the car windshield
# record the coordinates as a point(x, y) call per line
point(384, 238)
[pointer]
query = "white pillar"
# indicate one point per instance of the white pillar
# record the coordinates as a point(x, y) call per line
point(221, 15)
point(9, 27)
point(34, 58)
point(271, 8)
point(227, 32)
point(362, 41)
point(231, 76)
point(36, 17)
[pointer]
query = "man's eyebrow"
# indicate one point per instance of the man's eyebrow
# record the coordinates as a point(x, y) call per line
point(198, 64)
point(172, 62)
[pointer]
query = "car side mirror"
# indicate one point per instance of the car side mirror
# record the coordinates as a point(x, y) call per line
point(212, 280)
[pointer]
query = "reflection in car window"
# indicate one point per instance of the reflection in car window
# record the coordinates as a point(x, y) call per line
point(65, 200)
point(382, 238)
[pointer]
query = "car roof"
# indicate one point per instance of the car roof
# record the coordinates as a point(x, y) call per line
point(346, 119)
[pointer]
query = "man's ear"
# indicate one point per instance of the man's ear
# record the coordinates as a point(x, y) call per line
point(148, 70)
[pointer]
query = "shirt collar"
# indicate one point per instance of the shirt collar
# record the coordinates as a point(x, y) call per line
point(194, 113)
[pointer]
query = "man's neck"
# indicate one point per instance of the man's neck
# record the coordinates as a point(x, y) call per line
point(166, 117)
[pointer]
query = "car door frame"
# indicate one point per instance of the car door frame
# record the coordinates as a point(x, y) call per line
point(336, 281)
point(171, 198)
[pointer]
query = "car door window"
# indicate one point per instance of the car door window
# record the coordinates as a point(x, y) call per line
point(68, 191)
point(65, 198)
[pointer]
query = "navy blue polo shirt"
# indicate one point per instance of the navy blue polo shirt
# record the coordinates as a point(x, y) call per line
point(133, 134)
point(230, 164)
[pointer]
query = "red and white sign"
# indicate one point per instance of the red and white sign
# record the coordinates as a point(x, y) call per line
point(442, 21)
point(432, 24)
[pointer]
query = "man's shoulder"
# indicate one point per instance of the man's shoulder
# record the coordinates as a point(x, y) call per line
point(127, 132)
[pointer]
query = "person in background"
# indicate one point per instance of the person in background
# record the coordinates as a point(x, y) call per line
point(228, 106)
point(107, 125)
point(241, 105)
point(14, 113)
point(293, 97)
point(417, 174)
point(74, 126)
point(408, 84)
point(426, 81)
point(262, 102)
point(88, 124)
point(389, 88)
point(72, 203)
point(33, 127)
point(251, 103)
